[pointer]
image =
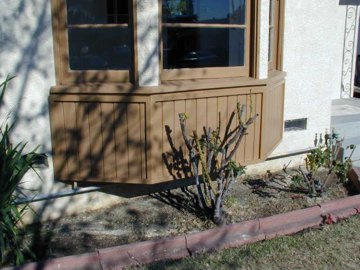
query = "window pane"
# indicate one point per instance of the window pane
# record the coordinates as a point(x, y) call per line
point(99, 49)
point(204, 11)
point(97, 11)
point(271, 44)
point(203, 47)
point(271, 13)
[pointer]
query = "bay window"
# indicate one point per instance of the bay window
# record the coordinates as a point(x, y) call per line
point(92, 41)
point(275, 30)
point(125, 69)
point(205, 38)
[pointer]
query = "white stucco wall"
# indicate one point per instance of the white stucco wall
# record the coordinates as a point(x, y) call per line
point(264, 39)
point(148, 42)
point(313, 47)
point(26, 50)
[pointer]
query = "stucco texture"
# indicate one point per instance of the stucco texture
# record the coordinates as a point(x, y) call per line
point(148, 42)
point(26, 51)
point(313, 47)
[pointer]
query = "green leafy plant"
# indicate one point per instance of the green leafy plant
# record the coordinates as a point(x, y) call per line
point(13, 166)
point(327, 155)
point(212, 161)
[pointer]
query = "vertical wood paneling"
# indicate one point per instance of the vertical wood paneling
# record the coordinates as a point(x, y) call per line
point(71, 140)
point(168, 131)
point(204, 112)
point(257, 126)
point(108, 140)
point(201, 112)
point(158, 140)
point(96, 147)
point(134, 140)
point(212, 117)
point(222, 112)
point(190, 108)
point(201, 117)
point(240, 153)
point(121, 140)
point(231, 105)
point(58, 140)
point(250, 137)
point(82, 123)
point(143, 141)
point(179, 107)
point(272, 119)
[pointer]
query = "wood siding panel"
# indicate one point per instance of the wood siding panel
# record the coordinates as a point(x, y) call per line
point(99, 141)
point(83, 126)
point(212, 113)
point(96, 145)
point(71, 139)
point(124, 138)
point(191, 109)
point(222, 112)
point(134, 141)
point(231, 113)
point(121, 140)
point(273, 119)
point(108, 140)
point(201, 112)
point(143, 145)
point(257, 126)
point(240, 153)
point(58, 140)
point(166, 125)
point(249, 141)
point(179, 107)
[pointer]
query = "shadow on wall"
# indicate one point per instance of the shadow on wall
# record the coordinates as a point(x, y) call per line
point(26, 52)
point(26, 41)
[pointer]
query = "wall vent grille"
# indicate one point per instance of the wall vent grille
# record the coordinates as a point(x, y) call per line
point(296, 124)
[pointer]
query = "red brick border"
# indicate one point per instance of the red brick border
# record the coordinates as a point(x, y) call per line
point(224, 237)
point(354, 176)
point(291, 222)
point(219, 238)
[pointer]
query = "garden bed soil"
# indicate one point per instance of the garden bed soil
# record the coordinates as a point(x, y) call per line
point(165, 215)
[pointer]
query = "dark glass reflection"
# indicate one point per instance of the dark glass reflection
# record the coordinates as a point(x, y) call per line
point(204, 11)
point(97, 11)
point(99, 49)
point(203, 47)
point(271, 44)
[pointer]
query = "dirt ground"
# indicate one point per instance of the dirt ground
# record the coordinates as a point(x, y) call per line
point(163, 215)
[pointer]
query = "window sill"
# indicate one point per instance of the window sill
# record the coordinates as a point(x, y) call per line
point(166, 86)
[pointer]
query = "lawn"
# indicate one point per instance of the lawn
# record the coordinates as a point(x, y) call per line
point(334, 246)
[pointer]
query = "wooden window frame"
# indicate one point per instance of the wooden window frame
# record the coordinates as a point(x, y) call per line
point(277, 42)
point(210, 72)
point(64, 75)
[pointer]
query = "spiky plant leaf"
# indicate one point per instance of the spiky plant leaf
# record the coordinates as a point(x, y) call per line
point(14, 164)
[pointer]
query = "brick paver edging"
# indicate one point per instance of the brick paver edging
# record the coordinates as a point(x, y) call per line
point(215, 239)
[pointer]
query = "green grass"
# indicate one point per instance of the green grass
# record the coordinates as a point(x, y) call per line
point(329, 247)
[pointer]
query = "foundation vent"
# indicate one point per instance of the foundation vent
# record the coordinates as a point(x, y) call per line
point(296, 124)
